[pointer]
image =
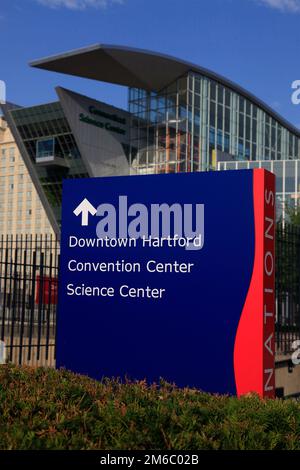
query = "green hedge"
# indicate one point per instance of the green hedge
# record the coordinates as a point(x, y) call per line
point(48, 409)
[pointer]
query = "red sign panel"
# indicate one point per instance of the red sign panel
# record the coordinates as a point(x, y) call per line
point(46, 290)
point(254, 351)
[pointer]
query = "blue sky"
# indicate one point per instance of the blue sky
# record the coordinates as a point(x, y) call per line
point(255, 43)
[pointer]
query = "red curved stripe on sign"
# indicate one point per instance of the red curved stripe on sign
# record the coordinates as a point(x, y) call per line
point(248, 347)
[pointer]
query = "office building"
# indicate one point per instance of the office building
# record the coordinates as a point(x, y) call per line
point(21, 211)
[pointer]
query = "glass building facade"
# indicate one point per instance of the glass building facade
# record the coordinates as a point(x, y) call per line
point(180, 118)
point(178, 128)
point(287, 180)
point(51, 146)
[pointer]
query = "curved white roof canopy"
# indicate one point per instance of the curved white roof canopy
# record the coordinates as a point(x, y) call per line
point(138, 68)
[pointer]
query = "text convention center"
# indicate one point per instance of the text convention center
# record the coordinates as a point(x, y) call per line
point(180, 118)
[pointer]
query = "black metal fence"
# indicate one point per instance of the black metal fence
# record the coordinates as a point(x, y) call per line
point(28, 298)
point(287, 286)
point(28, 295)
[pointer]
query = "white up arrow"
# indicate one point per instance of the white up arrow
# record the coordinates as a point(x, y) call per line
point(84, 208)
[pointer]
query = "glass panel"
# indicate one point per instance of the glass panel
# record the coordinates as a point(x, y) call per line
point(279, 205)
point(266, 165)
point(290, 177)
point(227, 97)
point(44, 148)
point(289, 201)
point(213, 90)
point(231, 165)
point(298, 178)
point(278, 171)
point(253, 164)
point(242, 166)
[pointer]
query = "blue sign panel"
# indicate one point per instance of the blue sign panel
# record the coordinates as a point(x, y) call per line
point(154, 277)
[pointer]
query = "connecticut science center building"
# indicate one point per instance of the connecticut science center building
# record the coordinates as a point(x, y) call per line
point(180, 118)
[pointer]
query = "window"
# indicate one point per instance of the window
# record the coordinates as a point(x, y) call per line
point(220, 94)
point(212, 114)
point(227, 120)
point(45, 148)
point(213, 89)
point(248, 127)
point(197, 86)
point(290, 180)
point(254, 130)
point(227, 97)
point(248, 108)
point(241, 125)
point(242, 104)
